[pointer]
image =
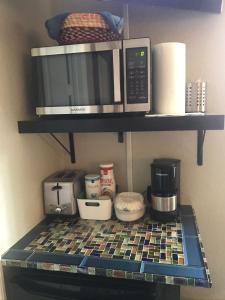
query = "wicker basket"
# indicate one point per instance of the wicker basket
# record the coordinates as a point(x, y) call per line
point(84, 28)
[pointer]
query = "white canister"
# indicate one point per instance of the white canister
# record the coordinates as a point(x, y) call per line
point(129, 206)
point(92, 185)
point(108, 184)
point(169, 78)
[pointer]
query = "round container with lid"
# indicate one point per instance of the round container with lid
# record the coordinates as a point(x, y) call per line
point(92, 185)
point(108, 185)
point(129, 206)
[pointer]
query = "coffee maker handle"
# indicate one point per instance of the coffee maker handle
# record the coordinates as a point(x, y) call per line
point(149, 192)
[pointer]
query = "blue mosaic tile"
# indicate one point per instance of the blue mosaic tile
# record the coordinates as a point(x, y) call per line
point(113, 239)
point(169, 253)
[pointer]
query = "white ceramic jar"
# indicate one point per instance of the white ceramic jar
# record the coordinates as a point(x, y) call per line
point(92, 185)
point(108, 184)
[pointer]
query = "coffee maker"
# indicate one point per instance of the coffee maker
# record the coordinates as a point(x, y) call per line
point(165, 189)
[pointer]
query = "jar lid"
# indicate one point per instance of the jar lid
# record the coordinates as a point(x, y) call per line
point(129, 201)
point(92, 177)
point(104, 166)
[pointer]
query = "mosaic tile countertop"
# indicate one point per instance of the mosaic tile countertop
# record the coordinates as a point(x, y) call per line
point(147, 241)
point(170, 253)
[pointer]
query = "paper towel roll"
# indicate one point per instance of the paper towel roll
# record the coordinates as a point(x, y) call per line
point(169, 78)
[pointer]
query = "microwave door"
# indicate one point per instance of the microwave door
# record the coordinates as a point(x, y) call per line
point(79, 79)
point(96, 81)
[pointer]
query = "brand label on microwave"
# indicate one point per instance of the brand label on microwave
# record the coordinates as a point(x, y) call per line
point(77, 109)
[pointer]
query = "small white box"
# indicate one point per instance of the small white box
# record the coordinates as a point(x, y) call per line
point(95, 209)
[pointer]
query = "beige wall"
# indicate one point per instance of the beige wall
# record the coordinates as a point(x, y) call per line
point(25, 159)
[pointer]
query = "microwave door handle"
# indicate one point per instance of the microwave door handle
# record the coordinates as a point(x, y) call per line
point(116, 75)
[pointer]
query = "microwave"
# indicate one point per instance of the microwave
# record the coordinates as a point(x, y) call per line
point(93, 78)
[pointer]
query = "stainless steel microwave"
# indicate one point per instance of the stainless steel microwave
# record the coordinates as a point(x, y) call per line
point(107, 77)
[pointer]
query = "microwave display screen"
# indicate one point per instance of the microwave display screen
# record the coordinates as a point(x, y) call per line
point(137, 75)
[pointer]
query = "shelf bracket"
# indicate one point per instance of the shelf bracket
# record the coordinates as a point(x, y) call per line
point(120, 137)
point(200, 146)
point(71, 150)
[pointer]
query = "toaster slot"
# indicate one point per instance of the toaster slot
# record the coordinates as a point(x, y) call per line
point(70, 175)
point(59, 175)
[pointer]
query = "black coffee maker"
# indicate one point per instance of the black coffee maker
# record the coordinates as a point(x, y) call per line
point(165, 189)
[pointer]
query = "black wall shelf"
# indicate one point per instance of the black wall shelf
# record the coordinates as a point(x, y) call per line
point(122, 123)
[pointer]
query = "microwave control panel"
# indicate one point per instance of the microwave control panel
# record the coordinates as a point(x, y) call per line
point(137, 75)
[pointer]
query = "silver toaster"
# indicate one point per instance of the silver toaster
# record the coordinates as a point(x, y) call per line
point(61, 190)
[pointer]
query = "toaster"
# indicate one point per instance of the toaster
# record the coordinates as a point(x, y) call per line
point(61, 190)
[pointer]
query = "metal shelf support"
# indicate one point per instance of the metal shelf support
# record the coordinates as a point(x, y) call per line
point(120, 137)
point(71, 150)
point(200, 146)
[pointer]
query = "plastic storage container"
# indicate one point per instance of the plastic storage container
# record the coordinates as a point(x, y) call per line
point(95, 209)
point(129, 206)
